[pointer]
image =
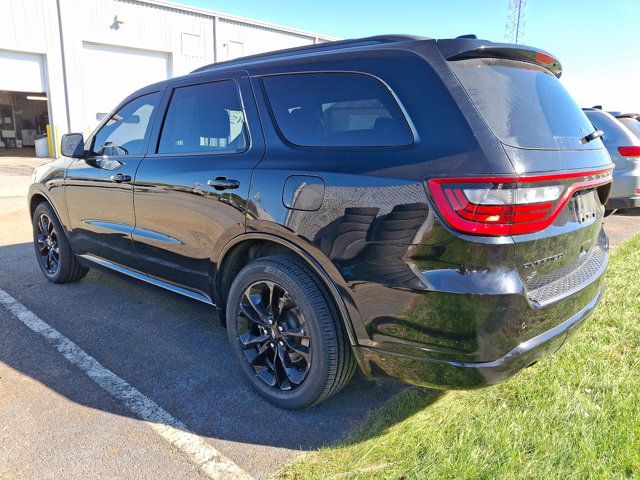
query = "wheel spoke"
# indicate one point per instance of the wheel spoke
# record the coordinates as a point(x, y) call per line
point(300, 349)
point(260, 360)
point(286, 303)
point(248, 340)
point(41, 226)
point(274, 366)
point(42, 244)
point(267, 376)
point(280, 368)
point(46, 223)
point(271, 294)
point(293, 375)
point(276, 293)
point(294, 332)
point(252, 311)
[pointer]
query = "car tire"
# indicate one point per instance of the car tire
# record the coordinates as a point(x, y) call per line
point(53, 252)
point(293, 350)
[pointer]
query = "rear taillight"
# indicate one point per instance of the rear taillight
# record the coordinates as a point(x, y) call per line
point(508, 205)
point(629, 151)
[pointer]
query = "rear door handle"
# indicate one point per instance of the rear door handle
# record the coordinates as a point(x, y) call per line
point(119, 178)
point(223, 183)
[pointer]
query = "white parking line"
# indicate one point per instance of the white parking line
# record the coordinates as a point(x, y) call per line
point(209, 460)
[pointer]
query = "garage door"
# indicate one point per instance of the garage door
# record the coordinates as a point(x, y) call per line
point(112, 73)
point(22, 72)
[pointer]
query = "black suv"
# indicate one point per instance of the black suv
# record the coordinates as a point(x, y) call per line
point(428, 210)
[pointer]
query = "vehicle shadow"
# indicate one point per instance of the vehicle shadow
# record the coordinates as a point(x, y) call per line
point(175, 352)
point(629, 212)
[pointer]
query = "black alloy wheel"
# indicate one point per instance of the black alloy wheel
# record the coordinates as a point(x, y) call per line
point(286, 333)
point(53, 251)
point(47, 244)
point(271, 332)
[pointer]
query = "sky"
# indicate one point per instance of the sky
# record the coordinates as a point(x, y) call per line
point(593, 39)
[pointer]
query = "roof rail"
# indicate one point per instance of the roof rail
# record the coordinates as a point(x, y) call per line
point(318, 47)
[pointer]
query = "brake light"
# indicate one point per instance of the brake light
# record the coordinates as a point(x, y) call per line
point(545, 58)
point(629, 151)
point(508, 205)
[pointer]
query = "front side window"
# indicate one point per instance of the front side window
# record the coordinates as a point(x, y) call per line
point(127, 131)
point(336, 110)
point(205, 118)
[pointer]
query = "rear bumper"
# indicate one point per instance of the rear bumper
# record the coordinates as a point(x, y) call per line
point(625, 185)
point(449, 374)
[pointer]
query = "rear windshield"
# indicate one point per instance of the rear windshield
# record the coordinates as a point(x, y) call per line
point(523, 104)
point(632, 124)
point(615, 133)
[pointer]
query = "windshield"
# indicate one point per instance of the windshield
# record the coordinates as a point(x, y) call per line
point(523, 104)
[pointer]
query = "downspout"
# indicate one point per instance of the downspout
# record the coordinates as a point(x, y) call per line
point(64, 68)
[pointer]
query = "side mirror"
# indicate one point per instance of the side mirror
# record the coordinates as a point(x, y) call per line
point(72, 145)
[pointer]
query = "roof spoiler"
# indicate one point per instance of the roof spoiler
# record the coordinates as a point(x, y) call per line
point(465, 48)
point(627, 115)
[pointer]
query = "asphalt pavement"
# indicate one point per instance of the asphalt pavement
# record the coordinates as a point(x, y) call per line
point(57, 422)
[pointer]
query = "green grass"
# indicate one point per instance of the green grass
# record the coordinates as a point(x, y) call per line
point(575, 414)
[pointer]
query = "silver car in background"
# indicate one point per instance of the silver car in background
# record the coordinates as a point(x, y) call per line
point(629, 120)
point(624, 149)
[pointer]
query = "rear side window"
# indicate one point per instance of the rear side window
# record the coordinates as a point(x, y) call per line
point(523, 104)
point(336, 110)
point(204, 118)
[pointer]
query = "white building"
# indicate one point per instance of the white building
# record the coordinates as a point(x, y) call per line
point(65, 62)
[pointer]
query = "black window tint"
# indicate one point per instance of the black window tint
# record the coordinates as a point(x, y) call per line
point(204, 118)
point(127, 131)
point(336, 110)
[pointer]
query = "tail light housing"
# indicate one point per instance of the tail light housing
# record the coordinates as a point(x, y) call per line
point(508, 205)
point(633, 151)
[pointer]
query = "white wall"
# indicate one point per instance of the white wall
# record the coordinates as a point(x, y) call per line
point(156, 30)
point(31, 26)
point(236, 39)
point(187, 37)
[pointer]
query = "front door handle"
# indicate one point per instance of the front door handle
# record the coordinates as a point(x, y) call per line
point(119, 178)
point(223, 183)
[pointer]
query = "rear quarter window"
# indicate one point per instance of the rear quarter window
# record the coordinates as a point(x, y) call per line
point(336, 110)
